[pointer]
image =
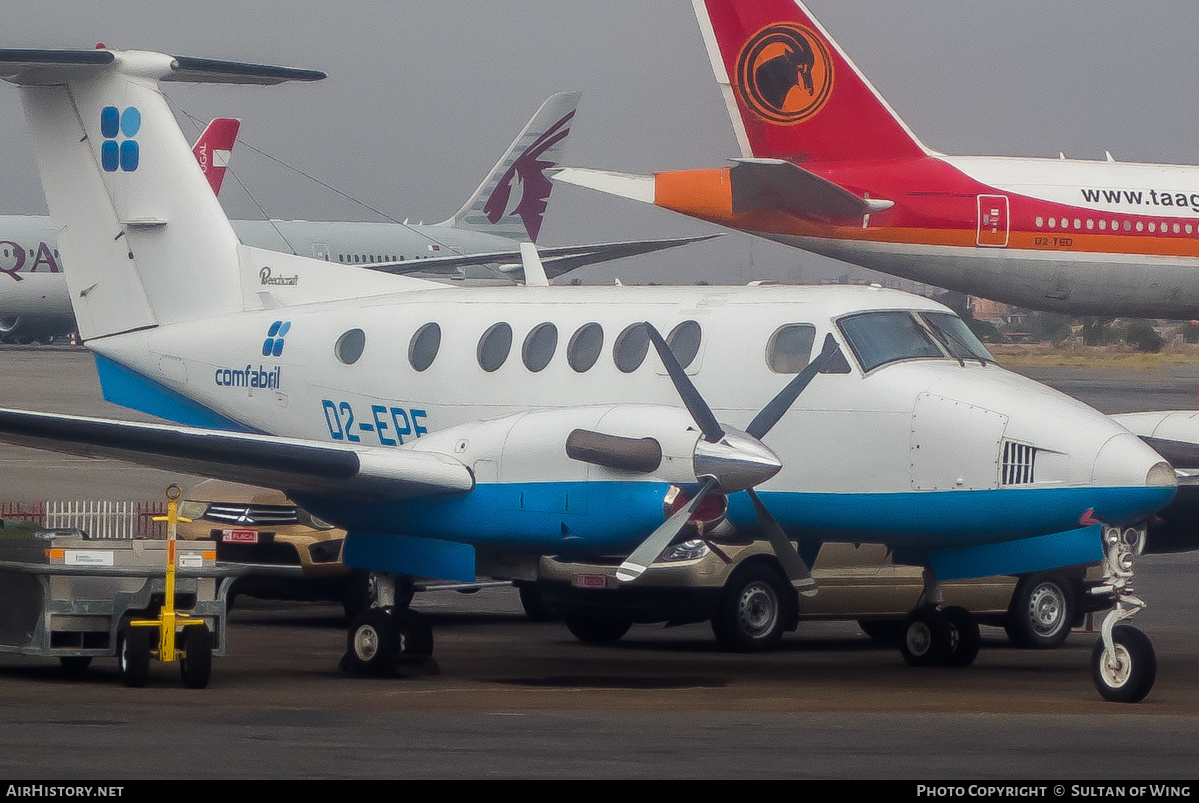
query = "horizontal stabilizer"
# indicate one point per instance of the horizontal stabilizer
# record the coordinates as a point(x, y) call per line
point(287, 464)
point(755, 184)
point(31, 66)
point(557, 260)
point(622, 185)
point(780, 185)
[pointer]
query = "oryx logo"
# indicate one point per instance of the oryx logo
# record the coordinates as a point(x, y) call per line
point(123, 154)
point(273, 345)
point(529, 169)
point(785, 73)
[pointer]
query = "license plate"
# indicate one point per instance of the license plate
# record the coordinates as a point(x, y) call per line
point(239, 536)
point(591, 581)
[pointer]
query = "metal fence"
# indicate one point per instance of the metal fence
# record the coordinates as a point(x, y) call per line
point(97, 519)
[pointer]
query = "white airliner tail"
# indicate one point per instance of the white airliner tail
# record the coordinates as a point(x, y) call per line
point(512, 200)
point(145, 238)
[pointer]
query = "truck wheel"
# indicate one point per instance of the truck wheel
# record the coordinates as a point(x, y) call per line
point(750, 613)
point(1040, 613)
point(597, 631)
point(533, 601)
point(133, 656)
point(196, 664)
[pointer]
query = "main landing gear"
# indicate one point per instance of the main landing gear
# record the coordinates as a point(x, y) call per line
point(936, 635)
point(387, 637)
point(1123, 662)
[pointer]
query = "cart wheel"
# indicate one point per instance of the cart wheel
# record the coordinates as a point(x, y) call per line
point(75, 664)
point(133, 655)
point(196, 664)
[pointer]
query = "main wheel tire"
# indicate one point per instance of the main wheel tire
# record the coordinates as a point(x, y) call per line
point(597, 631)
point(75, 664)
point(414, 635)
point(750, 615)
point(133, 656)
point(1130, 677)
point(926, 637)
point(1041, 612)
point(372, 643)
point(195, 666)
point(964, 638)
point(533, 601)
point(884, 631)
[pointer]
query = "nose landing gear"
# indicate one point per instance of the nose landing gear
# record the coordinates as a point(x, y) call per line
point(1123, 662)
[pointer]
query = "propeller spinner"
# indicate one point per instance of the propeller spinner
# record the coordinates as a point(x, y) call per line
point(729, 460)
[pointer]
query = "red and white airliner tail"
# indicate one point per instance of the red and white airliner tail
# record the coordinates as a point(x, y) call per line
point(214, 148)
point(827, 166)
point(779, 68)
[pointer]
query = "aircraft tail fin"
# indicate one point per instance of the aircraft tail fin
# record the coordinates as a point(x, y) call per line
point(214, 148)
point(512, 200)
point(145, 238)
point(791, 91)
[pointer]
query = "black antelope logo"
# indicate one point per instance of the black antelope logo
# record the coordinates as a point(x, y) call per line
point(785, 73)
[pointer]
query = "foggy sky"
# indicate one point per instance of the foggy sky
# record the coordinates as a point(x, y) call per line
point(424, 96)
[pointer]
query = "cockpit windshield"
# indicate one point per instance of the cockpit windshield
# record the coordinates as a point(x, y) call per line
point(878, 338)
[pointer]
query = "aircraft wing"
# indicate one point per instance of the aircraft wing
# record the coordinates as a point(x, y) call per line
point(557, 261)
point(287, 464)
point(754, 184)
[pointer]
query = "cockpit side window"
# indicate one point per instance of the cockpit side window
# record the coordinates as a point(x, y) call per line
point(956, 336)
point(878, 338)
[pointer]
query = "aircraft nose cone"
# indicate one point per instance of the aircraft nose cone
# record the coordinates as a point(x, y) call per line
point(737, 462)
point(1140, 481)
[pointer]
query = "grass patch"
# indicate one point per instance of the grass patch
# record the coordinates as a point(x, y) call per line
point(1122, 357)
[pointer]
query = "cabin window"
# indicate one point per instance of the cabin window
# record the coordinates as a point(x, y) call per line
point(422, 351)
point(1177, 228)
point(539, 347)
point(684, 341)
point(1140, 225)
point(585, 347)
point(1128, 225)
point(1152, 227)
point(631, 347)
point(1090, 224)
point(350, 346)
point(1053, 223)
point(1040, 221)
point(1103, 225)
point(790, 348)
point(494, 346)
point(878, 338)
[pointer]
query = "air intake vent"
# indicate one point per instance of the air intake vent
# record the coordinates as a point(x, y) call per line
point(1019, 464)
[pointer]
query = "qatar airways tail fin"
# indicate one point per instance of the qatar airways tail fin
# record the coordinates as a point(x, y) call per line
point(214, 148)
point(512, 200)
point(792, 92)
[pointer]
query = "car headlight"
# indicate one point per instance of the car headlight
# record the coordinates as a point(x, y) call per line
point(687, 550)
point(193, 510)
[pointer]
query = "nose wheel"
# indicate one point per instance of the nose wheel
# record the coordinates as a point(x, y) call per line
point(1123, 661)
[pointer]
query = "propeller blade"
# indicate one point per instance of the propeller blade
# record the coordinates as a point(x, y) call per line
point(694, 403)
point(636, 563)
point(784, 550)
point(773, 412)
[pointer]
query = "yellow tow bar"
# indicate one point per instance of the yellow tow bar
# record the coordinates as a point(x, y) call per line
point(169, 621)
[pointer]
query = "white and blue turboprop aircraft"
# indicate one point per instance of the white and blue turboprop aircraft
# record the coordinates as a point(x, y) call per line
point(478, 245)
point(458, 430)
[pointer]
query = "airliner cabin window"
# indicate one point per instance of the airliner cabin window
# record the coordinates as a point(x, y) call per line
point(494, 346)
point(631, 347)
point(684, 342)
point(350, 346)
point(540, 346)
point(585, 347)
point(424, 346)
point(790, 348)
